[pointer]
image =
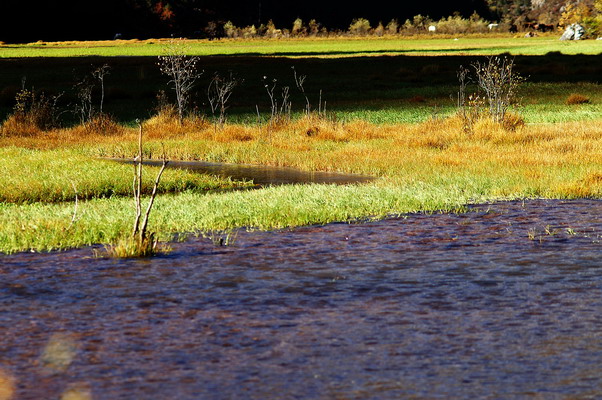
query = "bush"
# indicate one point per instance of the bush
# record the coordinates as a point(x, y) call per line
point(298, 28)
point(458, 25)
point(359, 27)
point(392, 27)
point(576, 98)
point(231, 30)
point(32, 114)
point(499, 82)
point(418, 24)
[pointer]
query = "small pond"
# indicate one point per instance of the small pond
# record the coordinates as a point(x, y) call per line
point(502, 302)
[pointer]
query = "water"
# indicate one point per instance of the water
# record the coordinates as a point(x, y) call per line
point(262, 175)
point(502, 302)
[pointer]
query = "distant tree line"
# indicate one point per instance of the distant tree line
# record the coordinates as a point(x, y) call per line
point(94, 20)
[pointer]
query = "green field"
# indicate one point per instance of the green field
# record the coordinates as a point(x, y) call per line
point(318, 47)
point(390, 114)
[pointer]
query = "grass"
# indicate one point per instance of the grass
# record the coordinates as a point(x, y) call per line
point(431, 166)
point(391, 115)
point(57, 175)
point(315, 47)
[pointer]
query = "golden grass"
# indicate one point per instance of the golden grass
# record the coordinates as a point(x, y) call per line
point(134, 247)
point(433, 165)
point(556, 158)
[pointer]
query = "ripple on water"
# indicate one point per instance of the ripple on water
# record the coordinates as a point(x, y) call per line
point(500, 302)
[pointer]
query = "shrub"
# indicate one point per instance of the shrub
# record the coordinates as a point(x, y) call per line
point(576, 98)
point(457, 25)
point(359, 27)
point(32, 114)
point(499, 82)
point(298, 28)
point(392, 27)
point(182, 71)
point(379, 30)
point(231, 30)
point(418, 24)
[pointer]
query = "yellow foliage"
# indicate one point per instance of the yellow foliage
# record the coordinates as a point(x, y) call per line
point(574, 13)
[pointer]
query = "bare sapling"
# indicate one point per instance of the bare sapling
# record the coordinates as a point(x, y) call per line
point(286, 104)
point(100, 73)
point(269, 88)
point(182, 71)
point(85, 108)
point(299, 81)
point(218, 93)
point(281, 108)
point(145, 241)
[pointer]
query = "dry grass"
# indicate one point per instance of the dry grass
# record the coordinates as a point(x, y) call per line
point(133, 247)
point(428, 166)
point(576, 98)
point(556, 159)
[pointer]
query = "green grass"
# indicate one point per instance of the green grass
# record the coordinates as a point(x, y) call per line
point(428, 165)
point(54, 175)
point(331, 47)
point(47, 227)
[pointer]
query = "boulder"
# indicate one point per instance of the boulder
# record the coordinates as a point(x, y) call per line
point(573, 32)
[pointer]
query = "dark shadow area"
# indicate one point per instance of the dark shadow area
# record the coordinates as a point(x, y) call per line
point(352, 53)
point(133, 83)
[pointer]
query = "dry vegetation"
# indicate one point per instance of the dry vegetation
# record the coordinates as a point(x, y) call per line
point(434, 165)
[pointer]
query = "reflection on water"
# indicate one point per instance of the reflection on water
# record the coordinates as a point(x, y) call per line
point(58, 353)
point(7, 385)
point(501, 302)
point(262, 175)
point(77, 391)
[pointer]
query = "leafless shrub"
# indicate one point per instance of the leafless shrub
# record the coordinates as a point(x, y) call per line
point(33, 112)
point(280, 108)
point(100, 73)
point(499, 82)
point(84, 108)
point(141, 243)
point(470, 106)
point(299, 81)
point(84, 89)
point(182, 71)
point(218, 93)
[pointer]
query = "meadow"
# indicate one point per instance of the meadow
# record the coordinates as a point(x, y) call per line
point(389, 115)
point(330, 47)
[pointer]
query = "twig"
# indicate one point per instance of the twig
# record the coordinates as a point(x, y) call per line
point(74, 217)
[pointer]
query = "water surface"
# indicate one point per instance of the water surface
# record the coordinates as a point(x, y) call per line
point(503, 302)
point(261, 175)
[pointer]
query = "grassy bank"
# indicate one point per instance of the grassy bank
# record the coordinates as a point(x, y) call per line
point(422, 167)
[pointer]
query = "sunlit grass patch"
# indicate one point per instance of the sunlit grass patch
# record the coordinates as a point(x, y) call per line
point(63, 174)
point(433, 165)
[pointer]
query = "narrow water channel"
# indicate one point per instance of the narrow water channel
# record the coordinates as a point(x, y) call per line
point(502, 302)
point(261, 175)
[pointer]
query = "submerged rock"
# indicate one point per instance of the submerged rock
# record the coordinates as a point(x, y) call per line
point(573, 32)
